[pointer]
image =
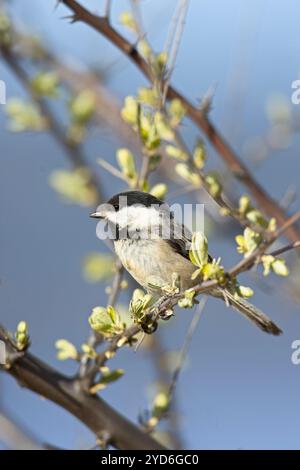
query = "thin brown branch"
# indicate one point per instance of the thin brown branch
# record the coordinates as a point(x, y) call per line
point(234, 163)
point(87, 370)
point(175, 40)
point(284, 249)
point(107, 8)
point(115, 287)
point(66, 392)
point(181, 359)
point(248, 262)
point(163, 376)
point(186, 344)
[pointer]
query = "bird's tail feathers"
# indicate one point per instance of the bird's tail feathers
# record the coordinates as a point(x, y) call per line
point(249, 311)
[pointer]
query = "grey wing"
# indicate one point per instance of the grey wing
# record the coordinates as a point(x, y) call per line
point(181, 240)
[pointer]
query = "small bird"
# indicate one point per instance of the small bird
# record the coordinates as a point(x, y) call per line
point(152, 246)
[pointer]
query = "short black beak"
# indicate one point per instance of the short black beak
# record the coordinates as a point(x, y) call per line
point(97, 215)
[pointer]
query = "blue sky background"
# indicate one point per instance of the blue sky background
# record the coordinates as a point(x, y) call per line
point(239, 389)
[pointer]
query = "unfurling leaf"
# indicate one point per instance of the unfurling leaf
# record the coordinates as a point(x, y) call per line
point(163, 128)
point(247, 210)
point(245, 292)
point(65, 350)
point(24, 116)
point(276, 264)
point(106, 321)
point(244, 204)
point(149, 97)
point(97, 266)
point(213, 270)
point(112, 375)
point(267, 261)
point(74, 186)
point(272, 225)
point(113, 314)
point(196, 274)
point(176, 153)
point(127, 19)
point(89, 351)
point(82, 107)
point(138, 304)
point(45, 84)
point(138, 294)
point(256, 217)
point(127, 164)
point(187, 174)
point(159, 62)
point(279, 267)
point(130, 110)
point(107, 376)
point(188, 300)
point(160, 404)
point(199, 249)
point(22, 336)
point(214, 185)
point(248, 242)
point(176, 112)
point(144, 48)
point(159, 190)
point(224, 211)
point(199, 154)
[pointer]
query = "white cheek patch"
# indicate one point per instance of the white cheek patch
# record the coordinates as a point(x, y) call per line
point(137, 219)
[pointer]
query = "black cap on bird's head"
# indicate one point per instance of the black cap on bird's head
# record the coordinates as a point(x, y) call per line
point(127, 198)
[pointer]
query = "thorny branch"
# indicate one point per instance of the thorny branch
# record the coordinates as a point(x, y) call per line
point(71, 392)
point(201, 119)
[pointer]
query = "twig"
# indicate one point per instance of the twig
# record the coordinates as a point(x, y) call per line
point(115, 287)
point(284, 249)
point(163, 379)
point(137, 18)
point(111, 169)
point(248, 262)
point(87, 370)
point(236, 166)
point(187, 341)
point(181, 359)
point(91, 410)
point(107, 8)
point(175, 39)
